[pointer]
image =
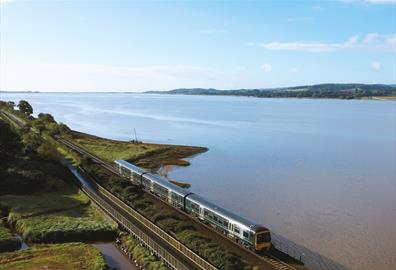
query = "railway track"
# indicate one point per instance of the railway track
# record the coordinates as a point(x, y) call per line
point(268, 259)
point(174, 253)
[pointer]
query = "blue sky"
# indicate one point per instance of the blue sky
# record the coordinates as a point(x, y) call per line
point(137, 46)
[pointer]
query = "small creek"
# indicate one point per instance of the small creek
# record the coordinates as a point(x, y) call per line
point(115, 259)
point(23, 243)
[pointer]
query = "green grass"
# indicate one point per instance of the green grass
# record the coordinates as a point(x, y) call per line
point(149, 156)
point(56, 217)
point(142, 255)
point(178, 226)
point(8, 241)
point(71, 256)
point(23, 206)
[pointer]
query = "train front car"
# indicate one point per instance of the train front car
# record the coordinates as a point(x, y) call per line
point(244, 231)
point(262, 238)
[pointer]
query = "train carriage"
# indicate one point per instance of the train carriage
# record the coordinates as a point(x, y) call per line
point(172, 193)
point(249, 233)
point(131, 171)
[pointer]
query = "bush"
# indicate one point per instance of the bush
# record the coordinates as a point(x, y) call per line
point(142, 255)
point(8, 242)
point(183, 230)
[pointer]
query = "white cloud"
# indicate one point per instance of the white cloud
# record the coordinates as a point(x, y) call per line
point(376, 65)
point(371, 37)
point(266, 67)
point(293, 70)
point(311, 46)
point(372, 41)
point(83, 77)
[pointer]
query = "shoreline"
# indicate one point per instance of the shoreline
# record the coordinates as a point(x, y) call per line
point(156, 158)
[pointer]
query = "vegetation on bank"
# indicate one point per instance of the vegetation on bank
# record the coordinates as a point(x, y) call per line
point(58, 214)
point(141, 254)
point(37, 194)
point(329, 90)
point(56, 218)
point(179, 226)
point(147, 155)
point(71, 256)
point(8, 241)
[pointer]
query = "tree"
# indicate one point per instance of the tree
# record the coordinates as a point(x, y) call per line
point(46, 118)
point(25, 107)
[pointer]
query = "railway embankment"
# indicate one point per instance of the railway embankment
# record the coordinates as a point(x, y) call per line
point(39, 201)
point(203, 240)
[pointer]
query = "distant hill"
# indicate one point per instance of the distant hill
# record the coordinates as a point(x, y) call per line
point(329, 90)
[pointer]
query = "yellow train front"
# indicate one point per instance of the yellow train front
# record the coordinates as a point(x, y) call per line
point(252, 235)
point(262, 239)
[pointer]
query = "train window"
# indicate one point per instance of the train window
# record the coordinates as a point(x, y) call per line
point(245, 234)
point(206, 213)
point(195, 207)
point(225, 222)
point(215, 218)
point(236, 230)
point(263, 237)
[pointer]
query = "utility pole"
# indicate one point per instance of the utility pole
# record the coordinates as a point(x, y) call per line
point(134, 130)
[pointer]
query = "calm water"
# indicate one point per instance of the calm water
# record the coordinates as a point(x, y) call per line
point(319, 172)
point(114, 258)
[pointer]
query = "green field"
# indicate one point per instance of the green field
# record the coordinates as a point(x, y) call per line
point(71, 256)
point(44, 218)
point(23, 206)
point(146, 155)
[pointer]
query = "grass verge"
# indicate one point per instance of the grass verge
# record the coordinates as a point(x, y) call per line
point(141, 254)
point(55, 218)
point(69, 256)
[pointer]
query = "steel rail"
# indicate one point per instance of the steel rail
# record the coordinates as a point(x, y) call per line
point(268, 258)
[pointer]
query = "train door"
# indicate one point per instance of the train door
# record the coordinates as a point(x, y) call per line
point(201, 213)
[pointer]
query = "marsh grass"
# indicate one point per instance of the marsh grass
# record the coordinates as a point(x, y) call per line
point(8, 241)
point(142, 255)
point(56, 217)
point(71, 256)
point(146, 155)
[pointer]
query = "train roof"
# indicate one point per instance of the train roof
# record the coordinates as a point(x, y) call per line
point(130, 166)
point(165, 183)
point(241, 221)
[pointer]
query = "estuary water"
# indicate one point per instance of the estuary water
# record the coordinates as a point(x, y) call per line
point(319, 172)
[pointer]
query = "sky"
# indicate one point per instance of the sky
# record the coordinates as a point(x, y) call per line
point(161, 45)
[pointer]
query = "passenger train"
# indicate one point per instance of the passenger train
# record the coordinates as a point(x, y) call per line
point(250, 234)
